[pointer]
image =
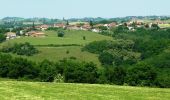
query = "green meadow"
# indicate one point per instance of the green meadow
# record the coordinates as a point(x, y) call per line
point(59, 53)
point(15, 90)
point(71, 37)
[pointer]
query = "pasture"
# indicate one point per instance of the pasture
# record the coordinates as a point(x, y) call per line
point(71, 37)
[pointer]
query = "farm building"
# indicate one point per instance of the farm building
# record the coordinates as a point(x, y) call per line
point(35, 34)
point(11, 35)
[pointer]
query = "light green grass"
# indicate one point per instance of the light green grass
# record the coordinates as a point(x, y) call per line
point(59, 53)
point(164, 25)
point(13, 90)
point(71, 37)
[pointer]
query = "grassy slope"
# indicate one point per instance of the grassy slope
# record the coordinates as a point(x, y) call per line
point(13, 90)
point(58, 53)
point(71, 37)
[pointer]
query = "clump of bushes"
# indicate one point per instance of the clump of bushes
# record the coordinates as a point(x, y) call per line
point(61, 33)
point(2, 37)
point(21, 49)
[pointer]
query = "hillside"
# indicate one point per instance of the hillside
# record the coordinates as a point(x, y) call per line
point(71, 37)
point(53, 91)
point(72, 42)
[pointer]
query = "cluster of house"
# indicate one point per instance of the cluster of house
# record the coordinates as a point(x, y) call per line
point(12, 35)
point(85, 26)
point(141, 23)
point(79, 26)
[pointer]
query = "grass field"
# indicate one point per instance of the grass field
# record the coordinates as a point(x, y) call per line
point(59, 53)
point(71, 37)
point(15, 90)
point(164, 25)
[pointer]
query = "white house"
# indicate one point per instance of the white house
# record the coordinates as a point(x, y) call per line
point(11, 35)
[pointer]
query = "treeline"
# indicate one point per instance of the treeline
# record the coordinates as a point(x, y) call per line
point(143, 53)
point(47, 71)
point(72, 71)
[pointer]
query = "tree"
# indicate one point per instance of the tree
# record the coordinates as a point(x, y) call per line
point(61, 33)
point(115, 75)
point(84, 37)
point(47, 71)
point(119, 75)
point(106, 58)
point(141, 75)
point(91, 24)
point(155, 26)
point(2, 37)
point(67, 23)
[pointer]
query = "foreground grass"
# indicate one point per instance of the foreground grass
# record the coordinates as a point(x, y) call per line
point(13, 90)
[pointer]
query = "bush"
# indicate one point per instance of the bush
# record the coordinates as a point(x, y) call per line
point(61, 33)
point(115, 75)
point(47, 71)
point(141, 75)
point(106, 58)
point(80, 72)
point(17, 68)
point(21, 49)
point(2, 37)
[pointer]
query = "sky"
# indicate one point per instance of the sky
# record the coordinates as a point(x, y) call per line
point(82, 8)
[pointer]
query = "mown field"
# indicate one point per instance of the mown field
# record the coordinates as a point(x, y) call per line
point(15, 90)
point(72, 39)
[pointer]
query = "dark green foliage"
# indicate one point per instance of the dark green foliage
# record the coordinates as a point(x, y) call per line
point(67, 22)
point(91, 23)
point(141, 75)
point(61, 33)
point(22, 68)
point(115, 75)
point(47, 71)
point(2, 37)
point(54, 29)
point(67, 52)
point(17, 68)
point(96, 46)
point(81, 73)
point(118, 52)
point(106, 58)
point(21, 49)
point(4, 30)
point(84, 37)
point(121, 29)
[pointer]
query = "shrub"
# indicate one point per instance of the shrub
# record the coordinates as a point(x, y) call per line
point(2, 37)
point(21, 49)
point(106, 58)
point(142, 75)
point(61, 33)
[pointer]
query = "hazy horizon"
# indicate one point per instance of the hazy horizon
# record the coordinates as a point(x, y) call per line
point(83, 8)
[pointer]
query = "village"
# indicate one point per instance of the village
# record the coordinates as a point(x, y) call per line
point(38, 30)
